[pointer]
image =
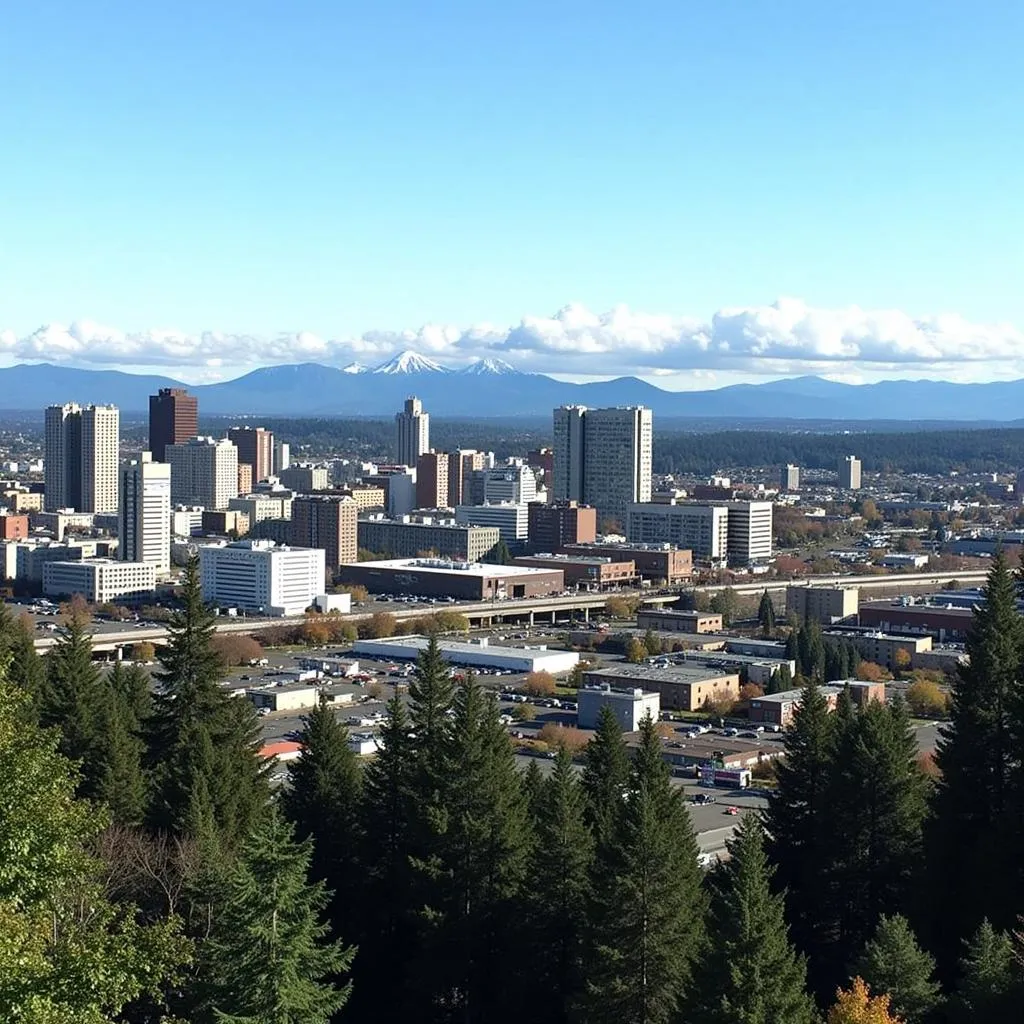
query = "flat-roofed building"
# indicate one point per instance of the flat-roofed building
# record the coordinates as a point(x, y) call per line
point(305, 479)
point(408, 538)
point(550, 527)
point(934, 617)
point(890, 650)
point(630, 706)
point(750, 532)
point(13, 527)
point(366, 496)
point(789, 478)
point(255, 446)
point(778, 708)
point(511, 520)
point(581, 571)
point(680, 688)
point(145, 513)
point(682, 620)
point(99, 580)
point(827, 605)
point(659, 563)
point(482, 654)
point(204, 471)
point(704, 529)
point(849, 473)
point(225, 521)
point(327, 522)
point(462, 464)
point(432, 480)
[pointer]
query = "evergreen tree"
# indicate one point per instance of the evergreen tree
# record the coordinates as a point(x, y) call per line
point(431, 698)
point(268, 960)
point(990, 984)
point(974, 835)
point(793, 646)
point(648, 908)
point(781, 680)
point(652, 645)
point(533, 787)
point(25, 669)
point(893, 963)
point(202, 745)
point(766, 615)
point(559, 894)
point(605, 774)
point(121, 784)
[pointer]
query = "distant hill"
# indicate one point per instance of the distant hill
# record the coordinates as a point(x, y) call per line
point(492, 388)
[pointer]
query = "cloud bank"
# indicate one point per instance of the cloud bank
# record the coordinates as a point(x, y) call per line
point(787, 336)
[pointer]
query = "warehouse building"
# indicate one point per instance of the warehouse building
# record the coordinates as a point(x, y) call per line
point(680, 688)
point(472, 655)
point(284, 698)
point(936, 618)
point(630, 706)
point(678, 620)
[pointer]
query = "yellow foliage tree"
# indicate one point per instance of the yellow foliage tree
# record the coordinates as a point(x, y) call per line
point(856, 1005)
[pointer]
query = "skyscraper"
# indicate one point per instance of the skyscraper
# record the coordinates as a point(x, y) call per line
point(81, 455)
point(789, 478)
point(412, 433)
point(432, 485)
point(145, 513)
point(603, 457)
point(255, 448)
point(203, 472)
point(461, 466)
point(849, 473)
point(173, 419)
point(329, 522)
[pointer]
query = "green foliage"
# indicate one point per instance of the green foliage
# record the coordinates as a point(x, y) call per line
point(893, 963)
point(766, 615)
point(780, 680)
point(605, 774)
point(991, 979)
point(636, 652)
point(498, 555)
point(652, 643)
point(725, 603)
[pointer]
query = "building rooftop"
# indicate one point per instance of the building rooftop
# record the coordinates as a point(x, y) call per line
point(679, 613)
point(572, 559)
point(610, 693)
point(786, 696)
point(442, 565)
point(650, 673)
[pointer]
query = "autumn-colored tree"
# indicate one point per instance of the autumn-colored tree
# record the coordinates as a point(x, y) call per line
point(562, 737)
point(143, 651)
point(926, 699)
point(869, 672)
point(378, 626)
point(719, 703)
point(856, 1005)
point(635, 651)
point(539, 684)
point(237, 650)
point(620, 608)
point(316, 632)
point(357, 590)
point(748, 691)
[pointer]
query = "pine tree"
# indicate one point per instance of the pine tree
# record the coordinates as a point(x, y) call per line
point(781, 679)
point(793, 647)
point(268, 960)
point(121, 784)
point(648, 908)
point(766, 615)
point(533, 787)
point(893, 963)
point(755, 976)
point(974, 835)
point(605, 774)
point(991, 981)
point(25, 669)
point(559, 894)
point(431, 697)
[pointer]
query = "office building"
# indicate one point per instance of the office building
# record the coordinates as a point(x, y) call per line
point(366, 496)
point(586, 573)
point(262, 577)
point(327, 522)
point(678, 620)
point(826, 605)
point(187, 521)
point(305, 479)
point(408, 538)
point(679, 688)
point(662, 564)
point(204, 472)
point(498, 485)
point(778, 709)
point(789, 478)
point(100, 580)
point(259, 507)
point(849, 473)
point(255, 448)
point(462, 464)
point(551, 527)
point(13, 526)
point(399, 484)
point(145, 514)
point(603, 457)
point(892, 651)
point(749, 539)
point(244, 478)
point(282, 457)
point(630, 706)
point(225, 521)
point(412, 433)
point(81, 457)
point(704, 529)
point(511, 520)
point(173, 419)
point(432, 486)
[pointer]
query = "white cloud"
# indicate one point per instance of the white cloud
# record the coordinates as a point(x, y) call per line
point(785, 337)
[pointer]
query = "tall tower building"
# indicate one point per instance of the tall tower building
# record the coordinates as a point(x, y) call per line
point(81, 456)
point(145, 513)
point(849, 473)
point(432, 485)
point(412, 432)
point(255, 448)
point(203, 472)
point(789, 478)
point(329, 522)
point(603, 457)
point(282, 456)
point(173, 419)
point(462, 464)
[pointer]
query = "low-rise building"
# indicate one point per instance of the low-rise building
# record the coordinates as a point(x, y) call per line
point(284, 698)
point(890, 650)
point(305, 479)
point(680, 620)
point(408, 538)
point(100, 580)
point(225, 521)
point(473, 655)
point(934, 618)
point(13, 526)
point(778, 708)
point(580, 571)
point(657, 563)
point(681, 688)
point(630, 706)
point(827, 605)
point(511, 519)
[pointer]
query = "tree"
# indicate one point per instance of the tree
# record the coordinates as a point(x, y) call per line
point(755, 976)
point(781, 679)
point(856, 1005)
point(925, 699)
point(617, 607)
point(719, 703)
point(236, 649)
point(648, 908)
point(121, 784)
point(562, 737)
point(766, 615)
point(143, 651)
point(869, 672)
point(378, 626)
point(652, 643)
point(636, 653)
point(605, 774)
point(893, 963)
point(990, 979)
point(539, 684)
point(25, 669)
point(268, 960)
point(499, 554)
point(726, 604)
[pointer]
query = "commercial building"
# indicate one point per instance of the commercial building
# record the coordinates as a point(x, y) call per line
point(327, 522)
point(827, 605)
point(305, 479)
point(934, 618)
point(282, 457)
point(245, 480)
point(749, 533)
point(407, 538)
point(204, 472)
point(789, 478)
point(81, 457)
point(32, 558)
point(432, 488)
point(682, 620)
point(284, 698)
point(849, 473)
point(187, 521)
point(680, 688)
point(704, 529)
point(99, 580)
point(225, 521)
point(498, 485)
point(890, 650)
point(778, 708)
point(412, 433)
point(145, 515)
point(659, 563)
point(255, 448)
point(462, 464)
point(591, 573)
point(399, 485)
point(259, 506)
point(510, 520)
point(366, 496)
point(630, 706)
point(467, 581)
point(13, 527)
point(473, 655)
point(262, 577)
point(550, 527)
point(173, 419)
point(602, 457)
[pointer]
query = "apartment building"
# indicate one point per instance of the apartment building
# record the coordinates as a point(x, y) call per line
point(204, 471)
point(329, 522)
point(432, 484)
point(81, 457)
point(550, 527)
point(827, 605)
point(305, 479)
point(704, 529)
point(849, 473)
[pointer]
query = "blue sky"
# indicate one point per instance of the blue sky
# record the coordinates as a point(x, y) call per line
point(353, 172)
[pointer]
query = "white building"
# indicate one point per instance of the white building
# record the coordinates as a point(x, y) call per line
point(282, 456)
point(263, 506)
point(99, 580)
point(187, 520)
point(145, 513)
point(630, 707)
point(750, 532)
point(702, 528)
point(511, 520)
point(412, 433)
point(849, 473)
point(262, 577)
point(81, 456)
point(514, 483)
point(204, 471)
point(474, 655)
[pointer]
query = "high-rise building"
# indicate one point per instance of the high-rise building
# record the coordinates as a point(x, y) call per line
point(327, 522)
point(173, 419)
point(244, 478)
point(282, 456)
point(81, 456)
point(255, 448)
point(145, 513)
point(432, 485)
point(204, 472)
point(750, 532)
point(511, 519)
point(462, 464)
point(849, 473)
point(412, 433)
point(549, 527)
point(789, 478)
point(603, 457)
point(704, 529)
point(514, 482)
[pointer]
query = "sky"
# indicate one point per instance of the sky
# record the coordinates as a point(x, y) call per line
point(694, 192)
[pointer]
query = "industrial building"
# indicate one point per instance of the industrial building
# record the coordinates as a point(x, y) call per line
point(591, 573)
point(409, 538)
point(680, 688)
point(472, 655)
point(630, 706)
point(678, 620)
point(826, 605)
point(284, 698)
point(100, 580)
point(467, 581)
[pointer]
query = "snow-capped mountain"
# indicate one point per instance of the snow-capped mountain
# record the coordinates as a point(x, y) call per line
point(488, 367)
point(354, 368)
point(410, 362)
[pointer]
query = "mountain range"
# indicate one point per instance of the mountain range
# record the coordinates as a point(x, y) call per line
point(493, 388)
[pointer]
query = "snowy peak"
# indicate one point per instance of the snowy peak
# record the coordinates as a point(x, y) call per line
point(410, 362)
point(354, 368)
point(488, 367)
